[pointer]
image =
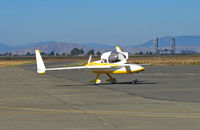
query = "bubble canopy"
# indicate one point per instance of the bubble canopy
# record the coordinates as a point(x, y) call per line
point(116, 57)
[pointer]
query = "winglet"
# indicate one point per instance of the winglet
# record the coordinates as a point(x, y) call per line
point(40, 64)
point(118, 49)
point(89, 60)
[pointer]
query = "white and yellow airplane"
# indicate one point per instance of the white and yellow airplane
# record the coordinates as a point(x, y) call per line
point(110, 63)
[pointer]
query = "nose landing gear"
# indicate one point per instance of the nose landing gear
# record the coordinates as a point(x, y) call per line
point(136, 80)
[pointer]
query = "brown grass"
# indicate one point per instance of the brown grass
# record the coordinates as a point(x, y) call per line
point(167, 60)
point(153, 60)
point(4, 63)
point(14, 62)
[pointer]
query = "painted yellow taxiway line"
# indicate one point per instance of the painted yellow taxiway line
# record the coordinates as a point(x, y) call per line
point(117, 113)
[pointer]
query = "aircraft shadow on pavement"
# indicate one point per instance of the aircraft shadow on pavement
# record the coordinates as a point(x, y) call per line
point(118, 83)
point(66, 85)
point(139, 82)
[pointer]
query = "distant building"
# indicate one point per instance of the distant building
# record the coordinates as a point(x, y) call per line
point(164, 51)
point(173, 45)
point(156, 45)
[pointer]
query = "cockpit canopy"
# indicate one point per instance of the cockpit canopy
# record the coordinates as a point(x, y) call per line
point(113, 57)
point(116, 57)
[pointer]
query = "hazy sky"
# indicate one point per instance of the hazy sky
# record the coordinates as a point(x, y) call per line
point(101, 21)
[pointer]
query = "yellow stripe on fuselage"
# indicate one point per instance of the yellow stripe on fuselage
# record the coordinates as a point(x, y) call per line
point(118, 72)
point(43, 72)
point(127, 71)
point(100, 64)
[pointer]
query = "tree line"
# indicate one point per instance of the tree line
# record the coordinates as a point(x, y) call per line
point(76, 52)
point(73, 52)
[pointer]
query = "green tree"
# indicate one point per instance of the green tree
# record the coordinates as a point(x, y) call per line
point(63, 54)
point(91, 52)
point(28, 54)
point(82, 51)
point(76, 51)
point(52, 53)
point(43, 53)
point(98, 53)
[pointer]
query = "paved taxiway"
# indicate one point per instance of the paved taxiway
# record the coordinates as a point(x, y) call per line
point(168, 97)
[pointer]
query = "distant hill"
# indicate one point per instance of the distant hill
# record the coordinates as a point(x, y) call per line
point(57, 47)
point(97, 45)
point(37, 44)
point(182, 43)
point(5, 48)
point(179, 40)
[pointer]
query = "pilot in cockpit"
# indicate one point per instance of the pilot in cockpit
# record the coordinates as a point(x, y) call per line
point(116, 57)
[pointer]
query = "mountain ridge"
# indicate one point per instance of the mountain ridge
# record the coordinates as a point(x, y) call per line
point(182, 43)
point(179, 41)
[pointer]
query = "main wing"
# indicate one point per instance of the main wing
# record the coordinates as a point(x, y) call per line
point(42, 69)
point(80, 67)
point(90, 67)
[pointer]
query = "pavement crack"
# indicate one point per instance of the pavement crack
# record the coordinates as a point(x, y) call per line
point(110, 124)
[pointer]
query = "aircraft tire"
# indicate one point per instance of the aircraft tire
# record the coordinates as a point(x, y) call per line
point(114, 81)
point(134, 81)
point(98, 82)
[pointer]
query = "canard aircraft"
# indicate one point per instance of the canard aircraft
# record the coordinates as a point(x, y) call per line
point(110, 63)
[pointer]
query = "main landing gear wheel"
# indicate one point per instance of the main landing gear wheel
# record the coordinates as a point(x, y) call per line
point(134, 81)
point(98, 81)
point(112, 80)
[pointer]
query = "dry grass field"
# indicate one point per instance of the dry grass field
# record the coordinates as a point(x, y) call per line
point(14, 62)
point(153, 60)
point(166, 60)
